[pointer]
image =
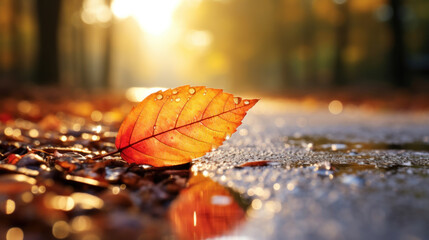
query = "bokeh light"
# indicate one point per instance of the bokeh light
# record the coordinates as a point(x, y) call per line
point(81, 223)
point(335, 107)
point(61, 229)
point(10, 206)
point(15, 233)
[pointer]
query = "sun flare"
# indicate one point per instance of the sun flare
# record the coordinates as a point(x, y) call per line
point(153, 17)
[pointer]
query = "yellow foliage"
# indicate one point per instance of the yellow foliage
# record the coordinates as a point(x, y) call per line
point(293, 11)
point(365, 5)
point(353, 54)
point(326, 10)
point(218, 63)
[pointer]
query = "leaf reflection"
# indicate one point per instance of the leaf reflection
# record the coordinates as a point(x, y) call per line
point(205, 209)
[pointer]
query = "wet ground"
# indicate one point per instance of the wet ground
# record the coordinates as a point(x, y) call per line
point(356, 175)
point(291, 171)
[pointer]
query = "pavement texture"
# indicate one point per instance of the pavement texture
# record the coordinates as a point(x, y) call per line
point(360, 174)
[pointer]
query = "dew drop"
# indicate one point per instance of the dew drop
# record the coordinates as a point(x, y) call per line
point(227, 137)
point(237, 100)
point(159, 96)
point(154, 127)
point(178, 99)
point(191, 90)
point(205, 92)
point(175, 92)
point(246, 102)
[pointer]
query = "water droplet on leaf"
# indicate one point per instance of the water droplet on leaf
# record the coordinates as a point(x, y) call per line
point(191, 90)
point(159, 96)
point(175, 92)
point(237, 100)
point(246, 102)
point(178, 99)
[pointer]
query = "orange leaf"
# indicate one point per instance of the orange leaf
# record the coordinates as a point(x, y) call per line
point(178, 125)
point(13, 159)
point(261, 163)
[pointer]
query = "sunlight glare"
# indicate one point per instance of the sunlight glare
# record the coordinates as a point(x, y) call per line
point(153, 17)
point(199, 39)
point(137, 94)
point(95, 11)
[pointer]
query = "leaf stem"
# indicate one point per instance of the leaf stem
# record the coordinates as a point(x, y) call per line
point(105, 155)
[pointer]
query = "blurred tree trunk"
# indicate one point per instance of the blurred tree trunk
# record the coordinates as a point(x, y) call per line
point(7, 42)
point(342, 30)
point(19, 73)
point(48, 13)
point(16, 71)
point(398, 64)
point(309, 41)
point(107, 64)
point(280, 41)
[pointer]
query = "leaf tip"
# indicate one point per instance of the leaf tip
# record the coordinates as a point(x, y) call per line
point(250, 102)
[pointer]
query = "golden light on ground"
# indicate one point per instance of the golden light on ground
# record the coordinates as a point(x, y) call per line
point(256, 204)
point(61, 229)
point(33, 133)
point(276, 186)
point(59, 202)
point(15, 233)
point(116, 190)
point(87, 201)
point(10, 206)
point(335, 107)
point(96, 116)
point(63, 138)
point(8, 131)
point(81, 223)
point(273, 206)
point(27, 197)
point(153, 17)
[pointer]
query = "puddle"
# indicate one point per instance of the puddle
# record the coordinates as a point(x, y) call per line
point(326, 144)
point(326, 169)
point(269, 193)
point(206, 209)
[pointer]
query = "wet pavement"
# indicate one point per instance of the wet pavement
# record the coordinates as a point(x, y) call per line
point(291, 171)
point(355, 175)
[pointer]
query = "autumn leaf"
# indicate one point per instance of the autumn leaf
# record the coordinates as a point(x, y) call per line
point(177, 125)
